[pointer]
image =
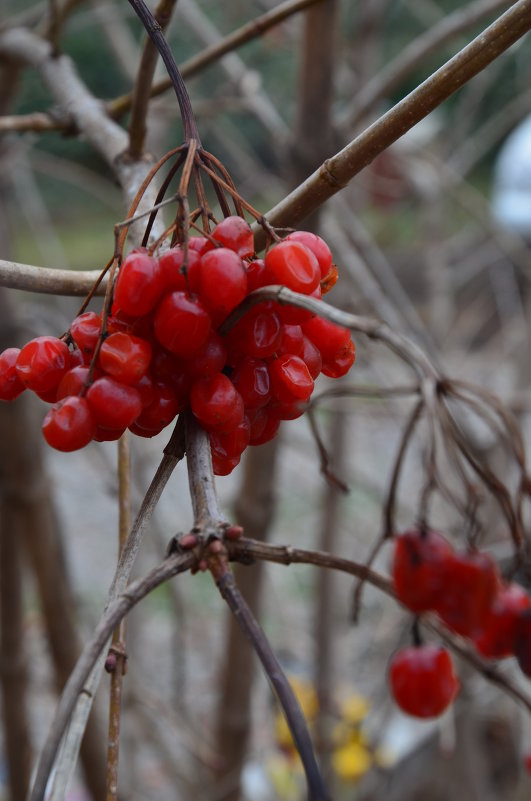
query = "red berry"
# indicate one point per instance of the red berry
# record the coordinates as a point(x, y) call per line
point(470, 582)
point(251, 379)
point(139, 284)
point(258, 333)
point(311, 356)
point(264, 426)
point(289, 411)
point(293, 265)
point(328, 337)
point(496, 638)
point(209, 359)
point(318, 246)
point(256, 275)
point(103, 434)
point(69, 424)
point(161, 410)
point(292, 315)
point(418, 559)
point(146, 390)
point(222, 281)
point(170, 264)
point(290, 379)
point(10, 384)
point(423, 680)
point(292, 340)
point(224, 466)
point(200, 244)
point(232, 444)
point(235, 233)
point(114, 405)
point(341, 363)
point(213, 401)
point(73, 382)
point(182, 324)
point(85, 331)
point(42, 363)
point(125, 357)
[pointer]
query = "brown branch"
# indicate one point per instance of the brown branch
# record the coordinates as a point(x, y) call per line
point(49, 280)
point(337, 171)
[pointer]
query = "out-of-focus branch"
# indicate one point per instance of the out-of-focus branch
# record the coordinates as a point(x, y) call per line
point(411, 56)
point(49, 280)
point(337, 171)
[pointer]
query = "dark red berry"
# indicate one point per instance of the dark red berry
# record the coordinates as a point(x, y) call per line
point(69, 424)
point(251, 379)
point(182, 324)
point(161, 410)
point(114, 405)
point(496, 638)
point(418, 559)
point(290, 379)
point(423, 680)
point(42, 363)
point(139, 284)
point(223, 281)
point(10, 384)
point(213, 401)
point(470, 582)
point(125, 357)
point(85, 331)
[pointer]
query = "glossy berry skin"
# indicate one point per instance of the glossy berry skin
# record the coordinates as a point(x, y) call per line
point(328, 337)
point(311, 356)
point(125, 357)
point(170, 267)
point(236, 234)
point(293, 265)
point(10, 384)
point(73, 382)
point(470, 582)
point(234, 443)
point(422, 680)
point(418, 559)
point(496, 638)
point(209, 359)
point(293, 315)
point(85, 330)
point(114, 405)
point(292, 340)
point(42, 363)
point(139, 284)
point(222, 281)
point(290, 379)
point(213, 401)
point(259, 333)
point(318, 246)
point(264, 426)
point(182, 324)
point(257, 275)
point(251, 379)
point(69, 424)
point(162, 410)
point(341, 363)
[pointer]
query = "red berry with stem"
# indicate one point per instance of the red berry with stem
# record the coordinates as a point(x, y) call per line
point(222, 281)
point(328, 337)
point(418, 559)
point(318, 246)
point(73, 382)
point(85, 330)
point(114, 405)
point(423, 680)
point(213, 401)
point(341, 363)
point(496, 638)
point(139, 284)
point(182, 324)
point(10, 384)
point(235, 233)
point(125, 357)
point(69, 424)
point(470, 582)
point(42, 363)
point(174, 274)
point(200, 244)
point(293, 265)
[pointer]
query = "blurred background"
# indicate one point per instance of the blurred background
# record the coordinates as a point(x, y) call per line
point(434, 238)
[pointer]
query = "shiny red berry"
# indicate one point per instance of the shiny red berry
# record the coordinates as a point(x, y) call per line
point(42, 363)
point(182, 324)
point(223, 281)
point(293, 265)
point(139, 284)
point(161, 411)
point(235, 233)
point(125, 357)
point(114, 405)
point(251, 379)
point(85, 330)
point(328, 337)
point(317, 245)
point(290, 379)
point(470, 582)
point(10, 384)
point(496, 638)
point(213, 401)
point(423, 680)
point(341, 362)
point(69, 424)
point(259, 332)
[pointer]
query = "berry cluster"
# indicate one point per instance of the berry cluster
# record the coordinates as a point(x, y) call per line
point(159, 350)
point(467, 592)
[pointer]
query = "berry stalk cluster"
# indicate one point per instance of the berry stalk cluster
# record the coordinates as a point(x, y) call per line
point(159, 350)
point(467, 592)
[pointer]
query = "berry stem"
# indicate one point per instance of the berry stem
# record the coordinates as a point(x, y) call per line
point(154, 31)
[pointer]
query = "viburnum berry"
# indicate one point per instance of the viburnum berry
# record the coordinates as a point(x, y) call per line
point(200, 244)
point(209, 359)
point(290, 379)
point(10, 384)
point(85, 330)
point(42, 363)
point(293, 315)
point(251, 379)
point(311, 357)
point(174, 275)
point(232, 444)
point(318, 247)
point(495, 640)
point(114, 405)
point(182, 324)
point(213, 401)
point(341, 363)
point(69, 424)
point(470, 582)
point(223, 466)
point(292, 264)
point(125, 357)
point(259, 332)
point(139, 284)
point(264, 425)
point(162, 410)
point(74, 381)
point(418, 558)
point(222, 281)
point(423, 680)
point(235, 233)
point(292, 340)
point(328, 337)
point(256, 275)
point(289, 411)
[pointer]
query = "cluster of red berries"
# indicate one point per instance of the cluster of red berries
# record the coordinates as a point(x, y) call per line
point(161, 351)
point(467, 592)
